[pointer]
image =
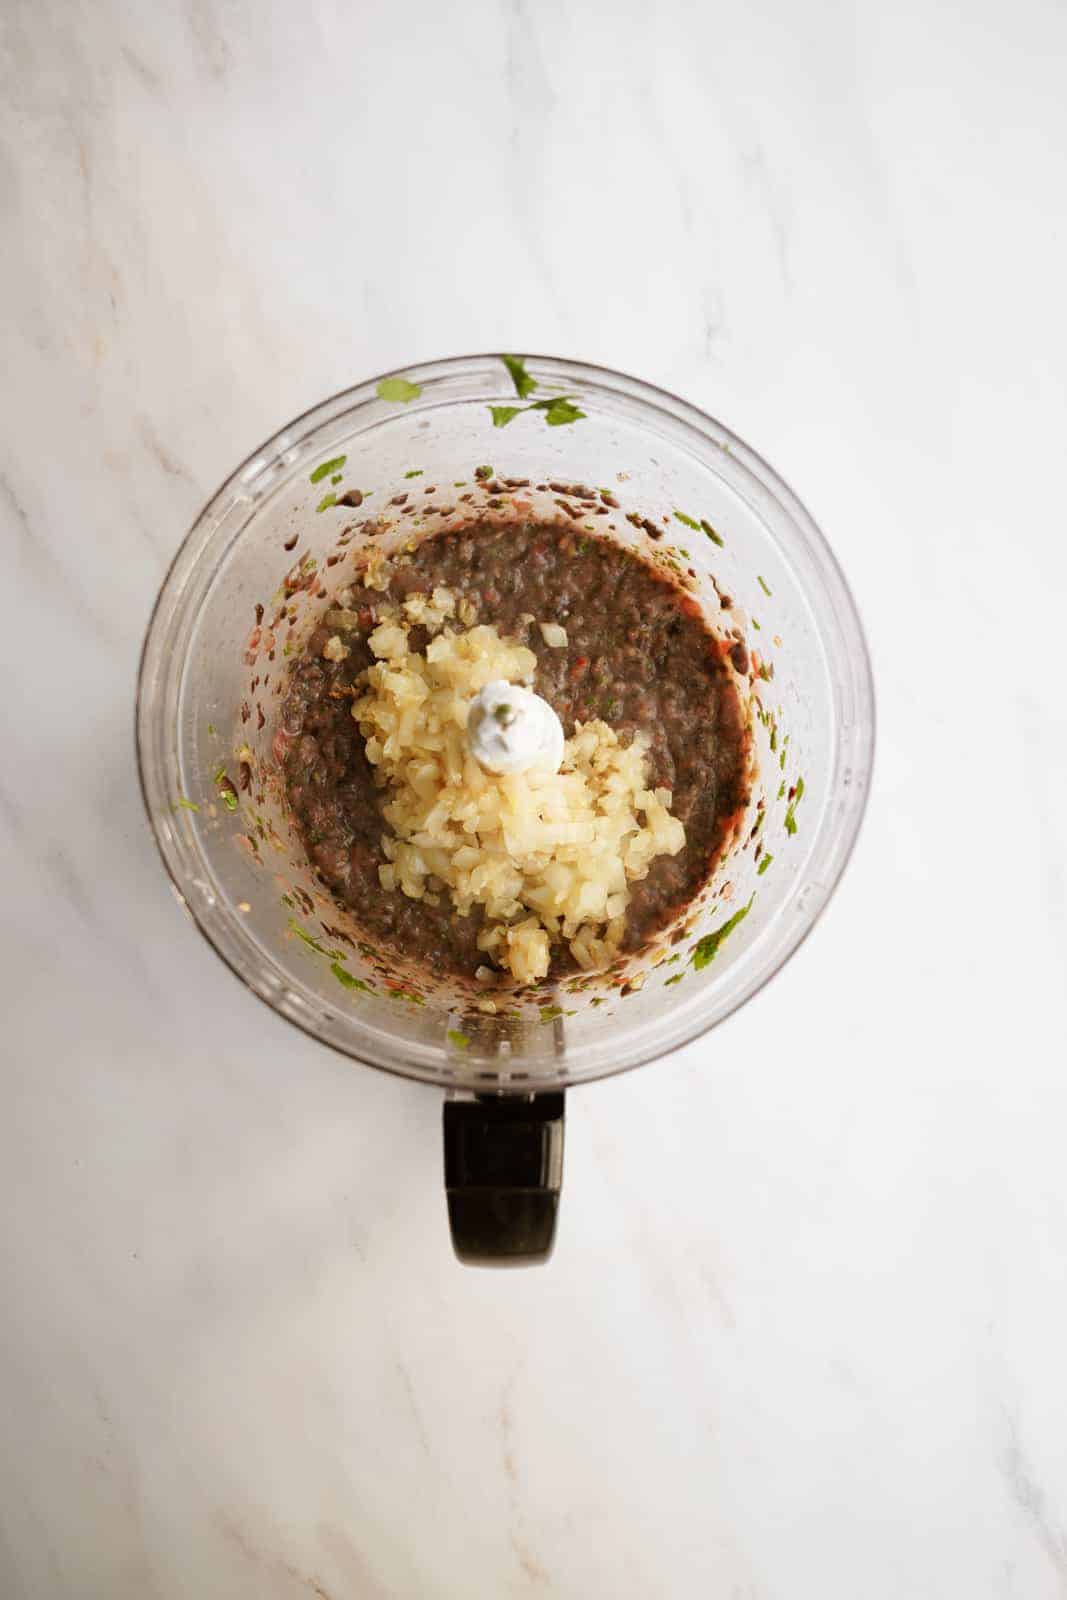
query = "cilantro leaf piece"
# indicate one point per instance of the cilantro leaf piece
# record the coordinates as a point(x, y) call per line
point(791, 814)
point(326, 501)
point(400, 390)
point(765, 861)
point(688, 522)
point(502, 415)
point(763, 584)
point(524, 384)
point(560, 412)
point(707, 949)
point(344, 977)
point(416, 472)
point(710, 531)
point(312, 943)
point(326, 468)
point(183, 804)
point(460, 1040)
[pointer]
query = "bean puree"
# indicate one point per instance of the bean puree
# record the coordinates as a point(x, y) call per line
point(638, 655)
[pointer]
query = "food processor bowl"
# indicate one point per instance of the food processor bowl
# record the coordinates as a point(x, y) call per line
point(427, 449)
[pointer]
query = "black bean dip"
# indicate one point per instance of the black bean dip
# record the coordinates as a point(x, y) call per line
point(638, 656)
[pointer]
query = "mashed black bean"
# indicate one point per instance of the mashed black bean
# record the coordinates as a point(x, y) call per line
point(638, 655)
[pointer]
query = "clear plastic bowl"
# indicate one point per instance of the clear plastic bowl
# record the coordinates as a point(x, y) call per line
point(659, 456)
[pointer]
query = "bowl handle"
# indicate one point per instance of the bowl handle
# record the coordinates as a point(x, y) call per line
point(503, 1171)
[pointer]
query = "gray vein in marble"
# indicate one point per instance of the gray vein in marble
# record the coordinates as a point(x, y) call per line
point(308, 1583)
point(358, 1580)
point(413, 1404)
point(1032, 1501)
point(761, 180)
point(212, 46)
point(529, 85)
point(147, 75)
point(717, 1295)
point(533, 100)
point(69, 883)
point(530, 1565)
point(1042, 785)
point(164, 455)
point(43, 567)
point(73, 890)
point(714, 318)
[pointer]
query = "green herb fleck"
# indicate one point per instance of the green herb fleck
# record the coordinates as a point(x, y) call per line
point(502, 415)
point(781, 759)
point(336, 477)
point(705, 952)
point(399, 390)
point(559, 411)
point(416, 472)
point(678, 976)
point(684, 553)
point(781, 789)
point(710, 531)
point(326, 501)
point(459, 483)
point(287, 900)
point(211, 729)
point(405, 994)
point(327, 467)
point(756, 625)
point(791, 814)
point(550, 1013)
point(524, 384)
point(482, 473)
point(765, 861)
point(312, 943)
point(229, 798)
point(763, 584)
point(345, 978)
point(219, 773)
point(186, 805)
point(597, 1000)
point(460, 1040)
point(688, 522)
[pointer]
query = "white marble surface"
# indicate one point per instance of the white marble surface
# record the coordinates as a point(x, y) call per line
point(804, 1331)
